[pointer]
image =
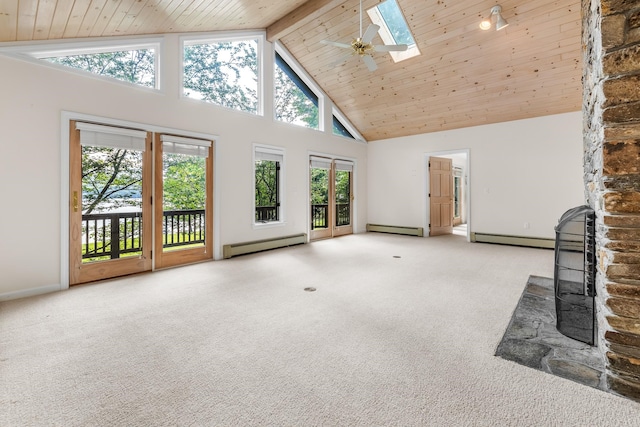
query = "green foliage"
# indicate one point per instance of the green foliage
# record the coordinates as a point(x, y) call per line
point(319, 186)
point(343, 186)
point(134, 66)
point(111, 178)
point(225, 73)
point(184, 182)
point(266, 183)
point(291, 104)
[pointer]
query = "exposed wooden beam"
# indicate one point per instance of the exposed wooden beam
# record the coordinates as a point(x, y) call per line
point(309, 11)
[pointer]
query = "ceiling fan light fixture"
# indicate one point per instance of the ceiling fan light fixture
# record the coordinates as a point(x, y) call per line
point(500, 21)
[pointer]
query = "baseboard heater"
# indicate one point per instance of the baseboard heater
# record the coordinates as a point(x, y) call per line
point(244, 248)
point(410, 231)
point(533, 242)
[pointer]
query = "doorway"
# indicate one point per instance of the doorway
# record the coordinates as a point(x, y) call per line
point(111, 220)
point(452, 217)
point(331, 197)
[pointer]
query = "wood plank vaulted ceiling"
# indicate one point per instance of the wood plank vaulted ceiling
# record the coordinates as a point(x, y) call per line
point(463, 77)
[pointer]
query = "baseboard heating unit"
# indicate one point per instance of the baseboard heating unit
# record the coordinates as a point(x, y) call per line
point(236, 249)
point(410, 231)
point(532, 242)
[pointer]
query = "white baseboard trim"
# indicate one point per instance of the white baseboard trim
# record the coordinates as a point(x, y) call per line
point(236, 249)
point(532, 242)
point(395, 229)
point(29, 292)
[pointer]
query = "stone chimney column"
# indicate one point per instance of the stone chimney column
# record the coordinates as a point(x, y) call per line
point(611, 109)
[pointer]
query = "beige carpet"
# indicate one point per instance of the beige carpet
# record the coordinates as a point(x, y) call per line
point(384, 341)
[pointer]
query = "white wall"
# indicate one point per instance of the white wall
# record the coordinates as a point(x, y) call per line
point(525, 171)
point(35, 97)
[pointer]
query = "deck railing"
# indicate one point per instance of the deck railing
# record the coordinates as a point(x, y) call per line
point(343, 214)
point(183, 227)
point(266, 213)
point(180, 228)
point(320, 213)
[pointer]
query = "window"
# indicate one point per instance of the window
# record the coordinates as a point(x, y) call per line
point(294, 101)
point(394, 29)
point(268, 162)
point(457, 192)
point(340, 129)
point(135, 66)
point(223, 72)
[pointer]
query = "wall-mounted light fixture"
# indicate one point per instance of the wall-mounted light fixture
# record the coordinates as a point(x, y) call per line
point(500, 21)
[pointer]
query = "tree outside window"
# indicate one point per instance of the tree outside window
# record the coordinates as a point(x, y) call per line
point(133, 66)
point(294, 101)
point(224, 73)
point(267, 184)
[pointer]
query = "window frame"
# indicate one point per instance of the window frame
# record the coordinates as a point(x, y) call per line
point(300, 83)
point(39, 51)
point(228, 36)
point(341, 118)
point(304, 78)
point(280, 176)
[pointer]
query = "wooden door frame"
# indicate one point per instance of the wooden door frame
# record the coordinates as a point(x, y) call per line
point(426, 186)
point(180, 256)
point(79, 272)
point(331, 229)
point(65, 118)
point(325, 233)
point(345, 229)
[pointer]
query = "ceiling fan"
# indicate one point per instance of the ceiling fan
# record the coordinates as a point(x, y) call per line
point(363, 47)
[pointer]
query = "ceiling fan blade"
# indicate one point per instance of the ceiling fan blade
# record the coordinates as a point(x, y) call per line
point(337, 44)
point(368, 35)
point(340, 60)
point(369, 62)
point(390, 47)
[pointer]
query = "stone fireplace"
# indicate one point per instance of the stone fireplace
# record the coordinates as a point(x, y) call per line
point(611, 43)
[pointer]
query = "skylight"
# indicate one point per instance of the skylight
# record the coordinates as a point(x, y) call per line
point(395, 22)
point(394, 28)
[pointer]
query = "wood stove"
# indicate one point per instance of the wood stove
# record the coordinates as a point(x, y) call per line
point(575, 273)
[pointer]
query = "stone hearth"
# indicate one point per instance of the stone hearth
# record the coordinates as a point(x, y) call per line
point(532, 340)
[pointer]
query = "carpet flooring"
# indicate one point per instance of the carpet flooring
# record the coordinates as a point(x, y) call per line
point(401, 331)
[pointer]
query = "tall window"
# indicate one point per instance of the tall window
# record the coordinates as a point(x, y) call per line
point(268, 163)
point(294, 101)
point(223, 72)
point(135, 66)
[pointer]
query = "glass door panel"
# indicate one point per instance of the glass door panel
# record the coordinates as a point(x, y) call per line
point(183, 201)
point(320, 178)
point(110, 209)
point(331, 187)
point(342, 197)
point(183, 205)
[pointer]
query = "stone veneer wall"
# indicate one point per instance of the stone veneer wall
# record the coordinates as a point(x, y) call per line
point(611, 42)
